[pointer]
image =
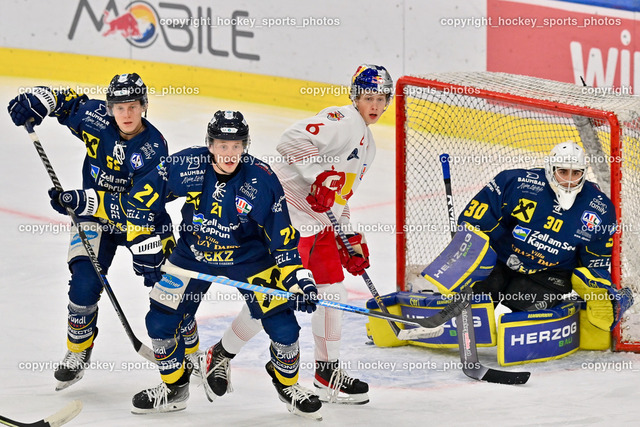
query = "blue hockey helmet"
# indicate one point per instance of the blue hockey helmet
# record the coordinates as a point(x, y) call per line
point(228, 126)
point(126, 88)
point(371, 79)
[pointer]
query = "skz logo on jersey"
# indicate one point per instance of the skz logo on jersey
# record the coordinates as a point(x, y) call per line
point(335, 116)
point(525, 209)
point(242, 206)
point(136, 161)
point(353, 155)
point(521, 233)
point(590, 220)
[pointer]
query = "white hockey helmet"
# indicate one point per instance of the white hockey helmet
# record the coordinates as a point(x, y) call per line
point(566, 155)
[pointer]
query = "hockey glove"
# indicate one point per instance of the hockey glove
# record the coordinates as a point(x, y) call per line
point(305, 294)
point(81, 202)
point(357, 263)
point(605, 303)
point(35, 105)
point(148, 257)
point(323, 191)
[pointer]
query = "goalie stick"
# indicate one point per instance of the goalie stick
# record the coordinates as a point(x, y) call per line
point(401, 334)
point(471, 365)
point(61, 417)
point(448, 312)
point(140, 348)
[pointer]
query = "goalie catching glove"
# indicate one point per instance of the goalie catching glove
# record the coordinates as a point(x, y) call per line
point(356, 263)
point(300, 282)
point(605, 303)
point(81, 202)
point(323, 191)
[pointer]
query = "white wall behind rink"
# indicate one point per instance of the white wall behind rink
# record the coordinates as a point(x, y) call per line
point(318, 41)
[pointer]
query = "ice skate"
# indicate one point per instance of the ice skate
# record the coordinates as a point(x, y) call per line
point(300, 401)
point(215, 371)
point(334, 385)
point(71, 369)
point(163, 398)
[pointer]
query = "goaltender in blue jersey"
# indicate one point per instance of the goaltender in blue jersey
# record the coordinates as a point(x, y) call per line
point(235, 223)
point(552, 232)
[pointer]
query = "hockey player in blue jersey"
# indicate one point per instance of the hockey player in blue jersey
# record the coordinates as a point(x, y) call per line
point(121, 147)
point(550, 228)
point(235, 223)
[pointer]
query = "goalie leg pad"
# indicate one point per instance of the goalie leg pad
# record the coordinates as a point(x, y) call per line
point(537, 336)
point(466, 260)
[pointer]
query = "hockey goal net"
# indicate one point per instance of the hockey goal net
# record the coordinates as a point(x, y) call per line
point(488, 122)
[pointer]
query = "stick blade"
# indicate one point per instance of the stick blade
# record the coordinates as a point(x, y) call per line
point(64, 415)
point(420, 333)
point(497, 376)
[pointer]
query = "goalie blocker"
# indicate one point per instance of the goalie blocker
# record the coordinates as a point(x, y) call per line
point(521, 337)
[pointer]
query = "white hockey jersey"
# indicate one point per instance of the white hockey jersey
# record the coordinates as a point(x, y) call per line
point(336, 139)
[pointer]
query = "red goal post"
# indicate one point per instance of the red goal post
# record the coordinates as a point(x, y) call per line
point(488, 122)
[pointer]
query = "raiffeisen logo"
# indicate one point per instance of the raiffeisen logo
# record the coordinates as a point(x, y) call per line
point(138, 25)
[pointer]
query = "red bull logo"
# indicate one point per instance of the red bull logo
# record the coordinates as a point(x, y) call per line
point(139, 24)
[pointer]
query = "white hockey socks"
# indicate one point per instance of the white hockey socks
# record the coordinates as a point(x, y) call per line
point(242, 329)
point(326, 323)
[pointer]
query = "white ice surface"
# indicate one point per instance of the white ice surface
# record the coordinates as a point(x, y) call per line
point(33, 298)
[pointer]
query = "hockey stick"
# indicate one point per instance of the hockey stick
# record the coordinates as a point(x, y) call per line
point(471, 365)
point(448, 312)
point(140, 348)
point(61, 417)
point(402, 334)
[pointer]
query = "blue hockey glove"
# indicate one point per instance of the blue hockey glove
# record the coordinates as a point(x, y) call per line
point(81, 202)
point(148, 257)
point(300, 282)
point(35, 105)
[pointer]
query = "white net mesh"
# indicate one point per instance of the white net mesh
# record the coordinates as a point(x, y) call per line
point(514, 126)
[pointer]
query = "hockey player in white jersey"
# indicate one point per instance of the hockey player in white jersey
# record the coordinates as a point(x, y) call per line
point(324, 159)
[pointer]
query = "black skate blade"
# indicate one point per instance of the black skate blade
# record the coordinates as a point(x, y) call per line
point(61, 385)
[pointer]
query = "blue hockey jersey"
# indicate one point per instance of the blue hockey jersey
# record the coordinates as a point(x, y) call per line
point(111, 164)
point(530, 232)
point(241, 221)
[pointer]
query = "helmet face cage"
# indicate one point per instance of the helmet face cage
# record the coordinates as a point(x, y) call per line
point(126, 88)
point(228, 126)
point(369, 79)
point(567, 155)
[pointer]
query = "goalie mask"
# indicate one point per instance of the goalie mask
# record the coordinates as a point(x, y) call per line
point(570, 157)
point(228, 126)
point(126, 88)
point(371, 79)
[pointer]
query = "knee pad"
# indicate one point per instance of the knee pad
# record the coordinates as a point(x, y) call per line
point(84, 286)
point(336, 292)
point(161, 323)
point(282, 327)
